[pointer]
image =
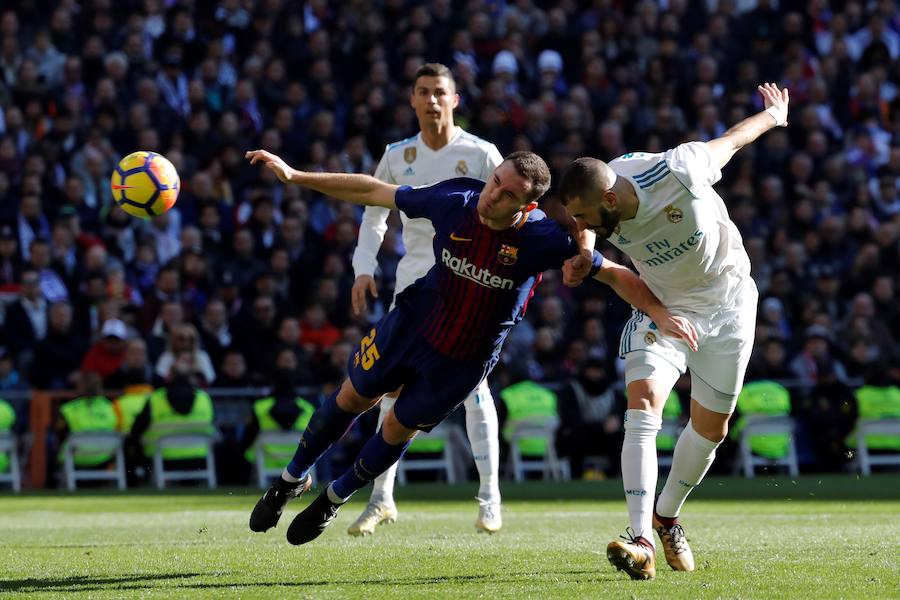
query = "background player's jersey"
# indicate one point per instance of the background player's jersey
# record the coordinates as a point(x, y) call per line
point(681, 240)
point(411, 162)
point(482, 281)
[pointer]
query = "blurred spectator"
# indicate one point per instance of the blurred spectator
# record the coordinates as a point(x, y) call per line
point(178, 406)
point(590, 422)
point(135, 369)
point(105, 356)
point(282, 409)
point(214, 330)
point(184, 339)
point(316, 331)
point(9, 376)
point(58, 356)
point(816, 357)
point(10, 264)
point(288, 335)
point(256, 338)
point(829, 411)
point(233, 370)
point(90, 411)
point(171, 315)
point(25, 322)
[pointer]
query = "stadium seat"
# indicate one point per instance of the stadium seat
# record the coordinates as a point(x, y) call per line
point(532, 448)
point(439, 440)
point(875, 427)
point(274, 439)
point(184, 440)
point(755, 426)
point(93, 441)
point(10, 447)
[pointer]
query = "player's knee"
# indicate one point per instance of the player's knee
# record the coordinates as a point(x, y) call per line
point(710, 424)
point(713, 429)
point(648, 395)
point(349, 400)
point(394, 432)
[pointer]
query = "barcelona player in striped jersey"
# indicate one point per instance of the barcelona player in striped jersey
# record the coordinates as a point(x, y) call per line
point(445, 334)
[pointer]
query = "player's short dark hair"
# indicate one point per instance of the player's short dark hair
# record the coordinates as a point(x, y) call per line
point(435, 70)
point(583, 174)
point(533, 168)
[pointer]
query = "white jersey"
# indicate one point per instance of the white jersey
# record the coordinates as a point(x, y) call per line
point(411, 162)
point(681, 240)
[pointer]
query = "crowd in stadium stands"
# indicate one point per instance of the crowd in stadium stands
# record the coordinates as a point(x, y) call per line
point(244, 267)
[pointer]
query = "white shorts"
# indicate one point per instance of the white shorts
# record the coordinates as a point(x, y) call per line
point(717, 368)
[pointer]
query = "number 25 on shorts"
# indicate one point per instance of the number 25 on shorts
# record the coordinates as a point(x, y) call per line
point(368, 351)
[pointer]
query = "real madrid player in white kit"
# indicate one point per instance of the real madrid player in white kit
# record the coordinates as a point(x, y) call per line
point(662, 211)
point(440, 151)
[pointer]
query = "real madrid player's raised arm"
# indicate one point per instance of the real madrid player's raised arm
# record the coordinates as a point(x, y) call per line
point(661, 210)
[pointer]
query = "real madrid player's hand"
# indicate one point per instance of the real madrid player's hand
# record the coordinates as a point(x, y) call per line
point(627, 284)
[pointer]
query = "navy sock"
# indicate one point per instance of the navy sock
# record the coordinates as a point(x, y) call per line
point(328, 424)
point(373, 460)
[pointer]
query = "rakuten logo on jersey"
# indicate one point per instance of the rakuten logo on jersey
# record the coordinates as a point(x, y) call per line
point(463, 268)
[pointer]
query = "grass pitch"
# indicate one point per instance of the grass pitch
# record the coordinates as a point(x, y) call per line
point(816, 537)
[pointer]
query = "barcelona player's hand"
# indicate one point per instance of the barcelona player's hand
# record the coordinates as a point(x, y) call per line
point(272, 162)
point(363, 284)
point(576, 269)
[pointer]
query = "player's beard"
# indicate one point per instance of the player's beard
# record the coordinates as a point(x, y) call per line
point(609, 220)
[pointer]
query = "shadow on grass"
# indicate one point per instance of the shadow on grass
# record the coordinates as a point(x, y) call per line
point(78, 583)
point(87, 583)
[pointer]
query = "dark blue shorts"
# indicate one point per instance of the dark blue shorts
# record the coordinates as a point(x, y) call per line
point(394, 354)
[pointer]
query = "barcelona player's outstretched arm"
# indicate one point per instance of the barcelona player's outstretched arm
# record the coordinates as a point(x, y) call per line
point(635, 292)
point(358, 189)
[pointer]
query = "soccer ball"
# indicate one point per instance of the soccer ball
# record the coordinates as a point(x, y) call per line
point(145, 184)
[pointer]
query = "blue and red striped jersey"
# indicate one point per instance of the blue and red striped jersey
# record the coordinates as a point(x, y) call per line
point(482, 279)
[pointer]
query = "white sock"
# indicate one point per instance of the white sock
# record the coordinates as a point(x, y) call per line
point(329, 491)
point(383, 486)
point(483, 430)
point(690, 462)
point(639, 469)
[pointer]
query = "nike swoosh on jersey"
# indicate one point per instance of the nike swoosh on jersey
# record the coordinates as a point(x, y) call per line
point(455, 238)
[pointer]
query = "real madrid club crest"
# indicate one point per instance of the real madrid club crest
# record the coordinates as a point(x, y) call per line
point(409, 154)
point(462, 169)
point(650, 338)
point(674, 214)
point(507, 254)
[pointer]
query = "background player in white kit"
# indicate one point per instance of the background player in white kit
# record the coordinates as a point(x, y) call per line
point(440, 151)
point(662, 211)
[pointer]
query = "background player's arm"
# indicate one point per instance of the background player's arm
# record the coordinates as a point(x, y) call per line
point(745, 132)
point(371, 236)
point(635, 292)
point(364, 190)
